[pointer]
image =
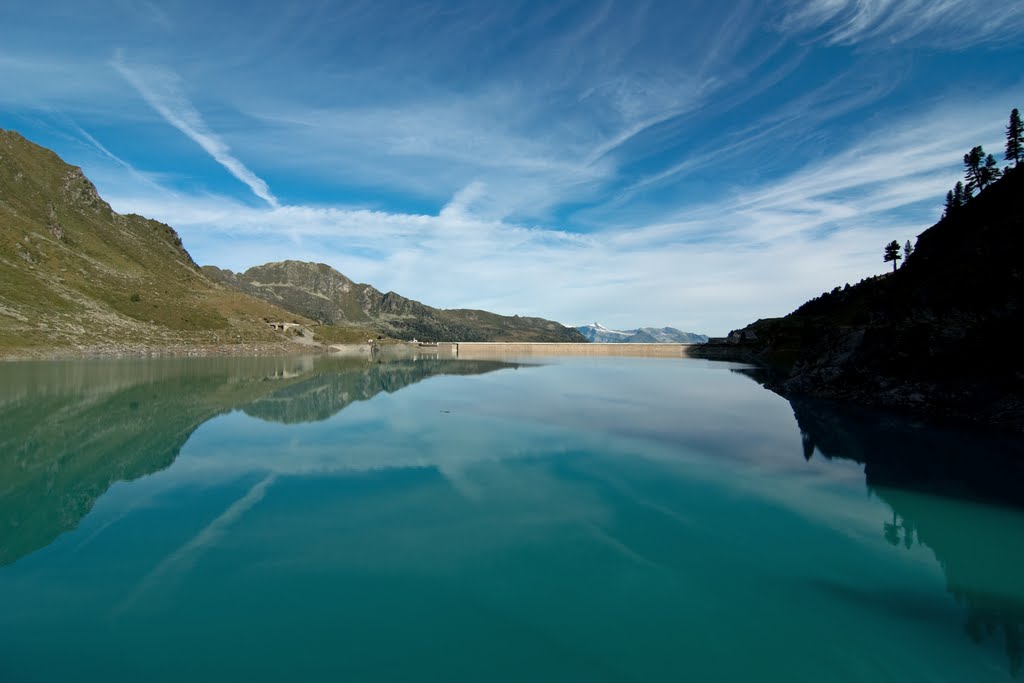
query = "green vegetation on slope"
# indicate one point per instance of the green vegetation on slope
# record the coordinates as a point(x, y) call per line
point(77, 276)
point(73, 273)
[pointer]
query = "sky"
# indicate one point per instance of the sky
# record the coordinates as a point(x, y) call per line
point(693, 164)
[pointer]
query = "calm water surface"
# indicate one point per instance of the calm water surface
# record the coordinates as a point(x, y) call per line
point(607, 519)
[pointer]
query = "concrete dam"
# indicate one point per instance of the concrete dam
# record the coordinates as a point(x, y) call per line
point(492, 349)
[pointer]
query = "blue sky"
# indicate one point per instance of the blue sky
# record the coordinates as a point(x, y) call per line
point(695, 164)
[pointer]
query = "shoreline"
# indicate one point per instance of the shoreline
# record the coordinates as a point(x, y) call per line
point(113, 351)
point(288, 348)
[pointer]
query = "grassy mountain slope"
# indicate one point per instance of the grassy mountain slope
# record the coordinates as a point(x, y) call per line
point(75, 274)
point(938, 336)
point(318, 291)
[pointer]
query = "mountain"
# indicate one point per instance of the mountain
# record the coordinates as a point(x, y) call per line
point(320, 292)
point(76, 275)
point(643, 335)
point(935, 337)
point(110, 422)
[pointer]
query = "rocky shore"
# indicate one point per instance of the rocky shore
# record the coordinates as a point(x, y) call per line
point(115, 350)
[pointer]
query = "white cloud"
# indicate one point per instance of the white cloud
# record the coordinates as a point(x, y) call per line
point(102, 149)
point(837, 97)
point(761, 251)
point(35, 82)
point(632, 126)
point(557, 130)
point(951, 23)
point(161, 89)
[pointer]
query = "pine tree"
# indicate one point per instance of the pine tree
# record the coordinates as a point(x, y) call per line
point(980, 170)
point(1015, 138)
point(973, 162)
point(990, 171)
point(892, 253)
point(908, 249)
point(960, 195)
point(950, 207)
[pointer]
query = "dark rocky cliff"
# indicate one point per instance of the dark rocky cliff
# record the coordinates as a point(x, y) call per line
point(936, 337)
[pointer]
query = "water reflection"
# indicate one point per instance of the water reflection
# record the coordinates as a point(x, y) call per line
point(601, 516)
point(69, 430)
point(949, 490)
point(330, 390)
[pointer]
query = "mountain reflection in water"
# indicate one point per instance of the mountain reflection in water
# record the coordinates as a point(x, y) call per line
point(627, 509)
point(69, 430)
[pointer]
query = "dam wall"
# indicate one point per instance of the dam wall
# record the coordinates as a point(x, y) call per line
point(492, 349)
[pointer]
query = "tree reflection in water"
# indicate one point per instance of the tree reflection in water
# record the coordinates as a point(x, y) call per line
point(954, 491)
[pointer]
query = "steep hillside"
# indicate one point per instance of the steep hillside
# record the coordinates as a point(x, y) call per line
point(318, 291)
point(642, 335)
point(75, 274)
point(938, 336)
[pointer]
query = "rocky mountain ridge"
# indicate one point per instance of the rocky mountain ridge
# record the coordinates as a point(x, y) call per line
point(77, 278)
point(76, 275)
point(320, 292)
point(597, 332)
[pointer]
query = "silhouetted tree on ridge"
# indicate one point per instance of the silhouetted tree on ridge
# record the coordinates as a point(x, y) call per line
point(1015, 138)
point(960, 194)
point(949, 208)
point(892, 253)
point(908, 249)
point(990, 172)
point(956, 198)
point(972, 168)
point(980, 169)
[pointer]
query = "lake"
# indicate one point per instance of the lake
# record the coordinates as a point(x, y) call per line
point(419, 519)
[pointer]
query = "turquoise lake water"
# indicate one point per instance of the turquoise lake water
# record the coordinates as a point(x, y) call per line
point(597, 519)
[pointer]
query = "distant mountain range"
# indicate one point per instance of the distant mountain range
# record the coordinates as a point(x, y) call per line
point(643, 335)
point(78, 278)
point(318, 291)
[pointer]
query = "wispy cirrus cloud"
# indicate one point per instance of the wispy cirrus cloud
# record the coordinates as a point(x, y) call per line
point(635, 163)
point(794, 120)
point(162, 90)
point(102, 149)
point(951, 22)
point(710, 267)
